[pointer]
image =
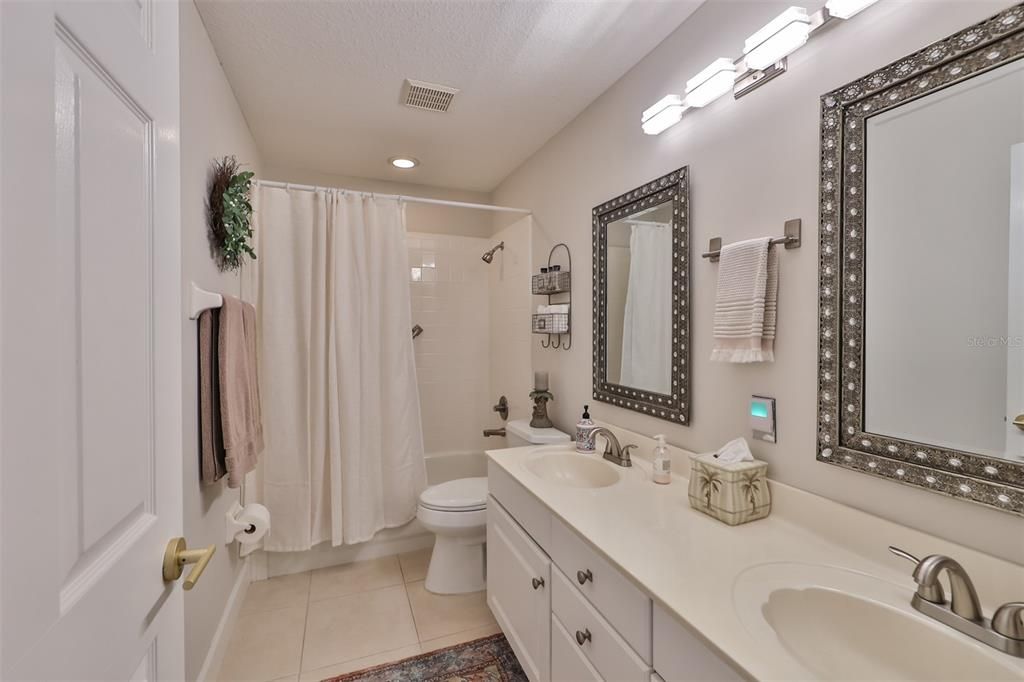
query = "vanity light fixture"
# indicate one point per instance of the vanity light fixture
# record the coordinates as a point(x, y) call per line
point(844, 9)
point(764, 58)
point(665, 113)
point(780, 37)
point(711, 83)
point(403, 162)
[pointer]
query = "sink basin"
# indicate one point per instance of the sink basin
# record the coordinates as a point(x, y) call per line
point(572, 470)
point(844, 625)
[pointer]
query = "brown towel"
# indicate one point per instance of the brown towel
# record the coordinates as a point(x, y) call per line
point(211, 445)
point(240, 412)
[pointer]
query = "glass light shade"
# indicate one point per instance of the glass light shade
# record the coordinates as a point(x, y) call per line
point(844, 9)
point(780, 37)
point(711, 83)
point(663, 115)
point(403, 162)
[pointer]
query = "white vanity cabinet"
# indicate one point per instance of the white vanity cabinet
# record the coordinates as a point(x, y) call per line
point(679, 655)
point(518, 591)
point(568, 613)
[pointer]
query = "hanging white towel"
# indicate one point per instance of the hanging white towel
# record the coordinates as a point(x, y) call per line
point(747, 302)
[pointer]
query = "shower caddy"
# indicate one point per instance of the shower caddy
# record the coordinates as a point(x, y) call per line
point(554, 284)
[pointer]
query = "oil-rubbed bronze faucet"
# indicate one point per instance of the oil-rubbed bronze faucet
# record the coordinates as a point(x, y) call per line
point(963, 610)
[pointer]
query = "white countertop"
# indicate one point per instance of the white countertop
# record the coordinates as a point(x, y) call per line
point(689, 562)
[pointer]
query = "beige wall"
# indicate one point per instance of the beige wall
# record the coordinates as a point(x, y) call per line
point(212, 126)
point(419, 217)
point(754, 164)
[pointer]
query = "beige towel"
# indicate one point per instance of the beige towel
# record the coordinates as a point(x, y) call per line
point(240, 411)
point(746, 305)
point(211, 441)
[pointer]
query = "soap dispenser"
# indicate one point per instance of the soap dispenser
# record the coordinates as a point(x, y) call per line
point(662, 471)
point(585, 433)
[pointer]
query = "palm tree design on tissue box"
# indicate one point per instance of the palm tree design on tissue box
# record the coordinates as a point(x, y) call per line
point(751, 488)
point(710, 483)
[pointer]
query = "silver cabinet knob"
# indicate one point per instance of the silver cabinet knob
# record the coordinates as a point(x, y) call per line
point(582, 637)
point(584, 576)
point(538, 583)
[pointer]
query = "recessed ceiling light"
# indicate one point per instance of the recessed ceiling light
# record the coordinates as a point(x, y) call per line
point(403, 162)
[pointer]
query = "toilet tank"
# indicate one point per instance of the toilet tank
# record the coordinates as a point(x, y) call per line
point(518, 432)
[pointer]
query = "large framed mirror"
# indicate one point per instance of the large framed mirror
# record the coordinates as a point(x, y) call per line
point(641, 297)
point(921, 272)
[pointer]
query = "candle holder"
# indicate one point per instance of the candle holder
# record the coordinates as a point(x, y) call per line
point(540, 419)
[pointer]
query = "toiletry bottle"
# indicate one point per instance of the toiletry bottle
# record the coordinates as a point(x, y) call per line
point(585, 432)
point(662, 464)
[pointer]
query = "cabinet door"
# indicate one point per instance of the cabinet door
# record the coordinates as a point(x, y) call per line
point(518, 591)
point(681, 656)
point(568, 664)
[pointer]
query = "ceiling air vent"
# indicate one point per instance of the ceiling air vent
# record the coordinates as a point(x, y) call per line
point(429, 96)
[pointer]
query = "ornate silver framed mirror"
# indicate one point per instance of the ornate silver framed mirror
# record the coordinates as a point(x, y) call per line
point(641, 299)
point(921, 268)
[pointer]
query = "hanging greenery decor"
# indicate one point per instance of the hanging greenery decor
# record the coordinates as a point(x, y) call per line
point(230, 213)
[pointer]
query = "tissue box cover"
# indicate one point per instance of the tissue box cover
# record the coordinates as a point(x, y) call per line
point(732, 493)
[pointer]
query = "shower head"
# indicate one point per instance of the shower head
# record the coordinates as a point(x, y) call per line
point(489, 256)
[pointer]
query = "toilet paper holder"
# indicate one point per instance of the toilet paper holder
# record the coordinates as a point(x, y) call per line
point(233, 526)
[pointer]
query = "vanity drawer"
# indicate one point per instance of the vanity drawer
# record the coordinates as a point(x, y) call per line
point(606, 650)
point(681, 656)
point(568, 664)
point(614, 595)
point(533, 516)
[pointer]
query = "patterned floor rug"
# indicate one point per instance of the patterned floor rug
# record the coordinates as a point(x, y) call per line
point(489, 659)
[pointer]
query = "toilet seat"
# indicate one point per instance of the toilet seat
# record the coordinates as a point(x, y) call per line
point(460, 495)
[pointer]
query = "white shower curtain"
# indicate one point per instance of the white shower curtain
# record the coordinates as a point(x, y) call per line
point(647, 324)
point(344, 443)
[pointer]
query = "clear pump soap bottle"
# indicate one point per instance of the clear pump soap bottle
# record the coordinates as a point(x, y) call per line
point(662, 462)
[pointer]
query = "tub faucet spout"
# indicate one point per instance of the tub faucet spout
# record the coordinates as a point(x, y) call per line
point(494, 432)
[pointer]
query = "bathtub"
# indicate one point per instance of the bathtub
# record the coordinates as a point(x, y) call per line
point(441, 467)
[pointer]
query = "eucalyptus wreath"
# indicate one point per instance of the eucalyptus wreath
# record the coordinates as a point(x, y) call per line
point(230, 213)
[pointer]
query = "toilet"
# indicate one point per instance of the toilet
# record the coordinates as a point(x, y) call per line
point(456, 512)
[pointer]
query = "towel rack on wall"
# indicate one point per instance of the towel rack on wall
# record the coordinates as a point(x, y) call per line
point(201, 300)
point(791, 240)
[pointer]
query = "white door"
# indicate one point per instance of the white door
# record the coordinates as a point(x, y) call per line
point(90, 315)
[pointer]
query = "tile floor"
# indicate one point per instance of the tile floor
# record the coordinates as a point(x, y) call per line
point(314, 625)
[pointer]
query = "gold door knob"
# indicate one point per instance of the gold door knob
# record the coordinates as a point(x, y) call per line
point(1018, 421)
point(176, 556)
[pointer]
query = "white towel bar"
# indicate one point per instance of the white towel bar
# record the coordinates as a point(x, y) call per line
point(203, 300)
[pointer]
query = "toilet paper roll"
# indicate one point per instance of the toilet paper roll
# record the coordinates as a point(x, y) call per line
point(253, 523)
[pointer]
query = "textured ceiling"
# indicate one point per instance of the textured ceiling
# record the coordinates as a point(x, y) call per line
point(320, 82)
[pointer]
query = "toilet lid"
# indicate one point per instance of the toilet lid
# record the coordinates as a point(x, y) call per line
point(462, 494)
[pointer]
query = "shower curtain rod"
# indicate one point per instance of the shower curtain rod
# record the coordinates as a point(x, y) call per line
point(400, 197)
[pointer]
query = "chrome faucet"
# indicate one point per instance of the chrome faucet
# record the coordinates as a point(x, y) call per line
point(963, 610)
point(613, 452)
